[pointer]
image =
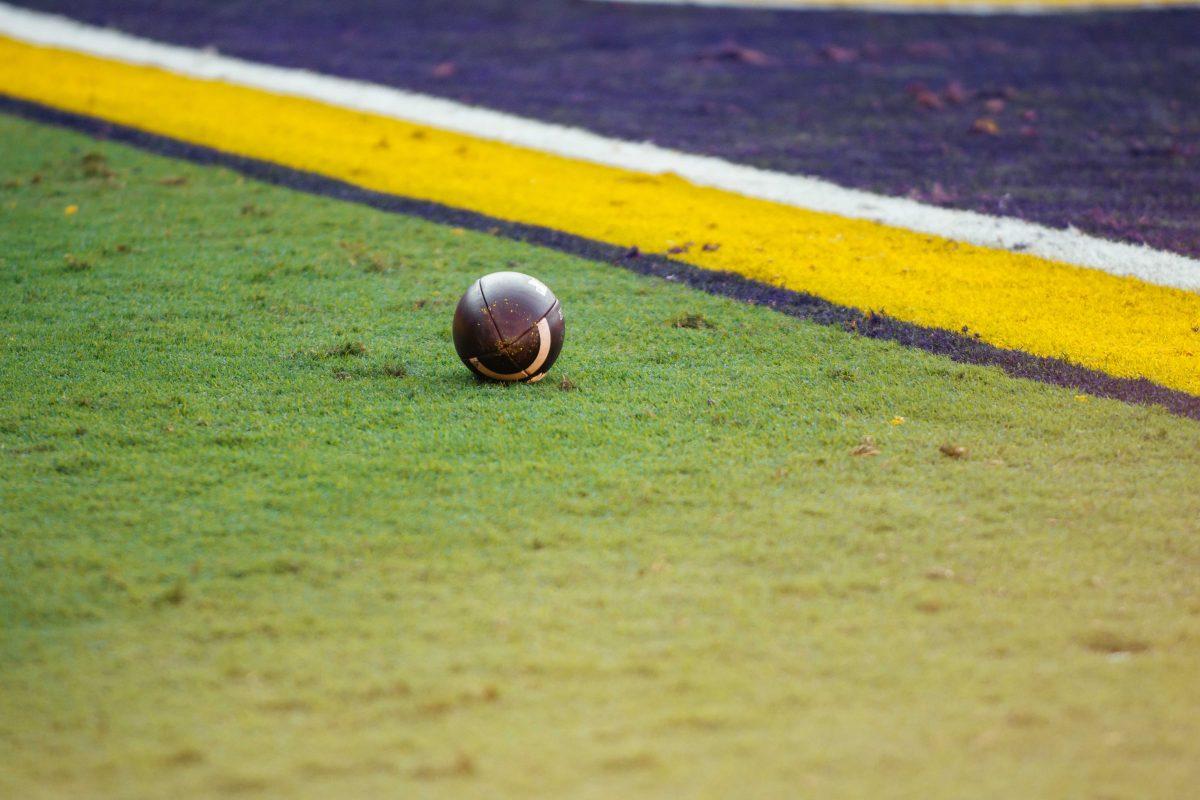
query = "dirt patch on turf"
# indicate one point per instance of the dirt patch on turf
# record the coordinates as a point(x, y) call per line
point(630, 763)
point(1113, 642)
point(692, 321)
point(345, 349)
point(866, 447)
point(463, 766)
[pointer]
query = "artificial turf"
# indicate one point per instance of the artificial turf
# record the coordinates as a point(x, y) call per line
point(261, 533)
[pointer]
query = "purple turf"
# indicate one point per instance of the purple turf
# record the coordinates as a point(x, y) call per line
point(1090, 120)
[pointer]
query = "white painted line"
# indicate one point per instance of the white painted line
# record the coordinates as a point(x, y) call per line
point(1069, 246)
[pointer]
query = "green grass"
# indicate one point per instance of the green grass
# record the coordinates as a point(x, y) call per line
point(262, 534)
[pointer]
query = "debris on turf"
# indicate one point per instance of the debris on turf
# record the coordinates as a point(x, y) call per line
point(173, 596)
point(76, 264)
point(395, 370)
point(462, 766)
point(1111, 642)
point(866, 447)
point(95, 165)
point(361, 256)
point(986, 126)
point(344, 349)
point(252, 210)
point(693, 321)
point(731, 51)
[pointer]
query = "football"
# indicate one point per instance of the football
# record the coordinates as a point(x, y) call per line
point(508, 327)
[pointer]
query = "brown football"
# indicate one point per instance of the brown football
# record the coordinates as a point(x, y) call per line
point(508, 327)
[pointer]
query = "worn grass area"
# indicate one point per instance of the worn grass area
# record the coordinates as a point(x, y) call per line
point(262, 534)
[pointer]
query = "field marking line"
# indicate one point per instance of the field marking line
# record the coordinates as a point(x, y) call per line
point(1002, 233)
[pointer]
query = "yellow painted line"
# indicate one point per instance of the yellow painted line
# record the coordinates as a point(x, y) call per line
point(1121, 326)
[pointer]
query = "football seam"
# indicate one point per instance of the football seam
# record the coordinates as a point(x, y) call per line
point(537, 322)
point(501, 351)
point(487, 309)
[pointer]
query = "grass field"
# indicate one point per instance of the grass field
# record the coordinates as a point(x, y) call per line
point(262, 534)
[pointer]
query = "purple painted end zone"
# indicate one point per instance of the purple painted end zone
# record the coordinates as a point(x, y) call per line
point(1091, 120)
